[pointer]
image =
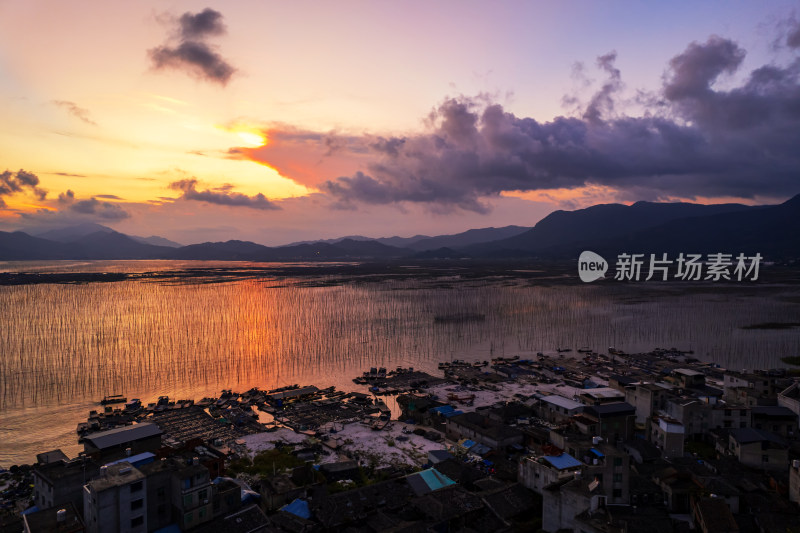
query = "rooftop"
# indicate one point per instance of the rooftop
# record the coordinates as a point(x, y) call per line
point(115, 437)
point(611, 409)
point(748, 435)
point(115, 476)
point(47, 520)
point(560, 401)
point(773, 411)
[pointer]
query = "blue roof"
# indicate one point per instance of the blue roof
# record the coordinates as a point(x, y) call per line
point(468, 444)
point(136, 460)
point(298, 508)
point(563, 461)
point(597, 452)
point(453, 413)
point(443, 409)
point(428, 481)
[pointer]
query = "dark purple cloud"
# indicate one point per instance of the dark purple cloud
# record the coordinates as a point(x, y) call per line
point(14, 182)
point(92, 206)
point(200, 25)
point(221, 196)
point(694, 139)
point(193, 54)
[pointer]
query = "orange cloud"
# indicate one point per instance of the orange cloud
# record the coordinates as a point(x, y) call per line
point(306, 157)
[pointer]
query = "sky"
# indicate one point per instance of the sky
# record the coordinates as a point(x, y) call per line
point(278, 122)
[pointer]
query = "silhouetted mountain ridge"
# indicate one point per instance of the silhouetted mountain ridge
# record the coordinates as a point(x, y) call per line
point(644, 227)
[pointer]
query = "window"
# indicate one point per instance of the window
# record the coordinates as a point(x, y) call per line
point(774, 428)
point(201, 513)
point(743, 412)
point(187, 500)
point(617, 493)
point(161, 493)
point(728, 412)
point(727, 424)
point(187, 483)
point(188, 517)
point(617, 461)
point(137, 504)
point(162, 508)
point(136, 487)
point(137, 522)
point(742, 424)
point(617, 478)
point(203, 495)
point(765, 458)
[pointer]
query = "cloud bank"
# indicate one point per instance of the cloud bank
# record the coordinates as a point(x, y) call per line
point(221, 196)
point(192, 53)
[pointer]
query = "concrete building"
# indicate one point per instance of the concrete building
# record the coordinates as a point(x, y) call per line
point(615, 420)
point(563, 501)
point(647, 398)
point(668, 435)
point(555, 408)
point(695, 415)
point(759, 449)
point(58, 480)
point(116, 501)
point(536, 473)
point(179, 492)
point(688, 378)
point(776, 419)
point(482, 429)
point(730, 416)
point(759, 384)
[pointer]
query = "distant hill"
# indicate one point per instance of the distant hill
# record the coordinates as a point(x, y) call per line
point(466, 238)
point(657, 227)
point(425, 242)
point(19, 246)
point(156, 240)
point(70, 233)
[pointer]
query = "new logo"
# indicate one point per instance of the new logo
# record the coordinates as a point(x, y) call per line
point(591, 266)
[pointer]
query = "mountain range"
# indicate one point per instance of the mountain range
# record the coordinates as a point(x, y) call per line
point(644, 227)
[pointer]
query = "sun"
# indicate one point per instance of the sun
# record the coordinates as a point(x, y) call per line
point(252, 139)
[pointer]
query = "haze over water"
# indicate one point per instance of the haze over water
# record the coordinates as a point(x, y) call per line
point(65, 346)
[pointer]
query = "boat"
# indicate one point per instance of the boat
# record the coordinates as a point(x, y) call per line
point(115, 398)
point(585, 349)
point(563, 350)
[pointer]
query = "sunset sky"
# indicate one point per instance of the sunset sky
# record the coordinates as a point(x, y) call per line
point(283, 121)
